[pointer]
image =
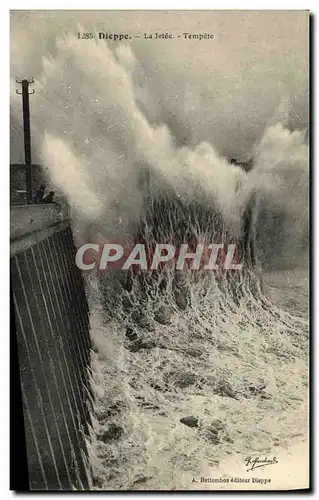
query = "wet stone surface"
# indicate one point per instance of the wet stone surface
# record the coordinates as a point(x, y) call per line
point(189, 421)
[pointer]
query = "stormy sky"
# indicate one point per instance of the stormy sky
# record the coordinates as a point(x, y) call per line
point(225, 90)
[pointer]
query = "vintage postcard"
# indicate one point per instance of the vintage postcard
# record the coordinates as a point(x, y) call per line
point(159, 202)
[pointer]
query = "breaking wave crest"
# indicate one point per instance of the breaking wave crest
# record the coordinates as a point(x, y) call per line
point(224, 349)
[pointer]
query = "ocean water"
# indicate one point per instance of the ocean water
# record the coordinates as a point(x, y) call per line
point(231, 352)
point(241, 371)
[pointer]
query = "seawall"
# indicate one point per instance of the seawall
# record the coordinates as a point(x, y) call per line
point(52, 333)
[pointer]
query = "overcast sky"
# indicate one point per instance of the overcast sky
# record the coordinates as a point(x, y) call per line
point(228, 88)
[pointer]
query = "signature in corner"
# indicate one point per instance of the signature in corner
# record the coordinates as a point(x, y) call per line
point(253, 463)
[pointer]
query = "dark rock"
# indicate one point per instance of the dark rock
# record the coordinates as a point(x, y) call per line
point(113, 433)
point(189, 421)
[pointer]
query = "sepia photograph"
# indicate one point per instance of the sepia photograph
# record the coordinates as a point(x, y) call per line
point(159, 250)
